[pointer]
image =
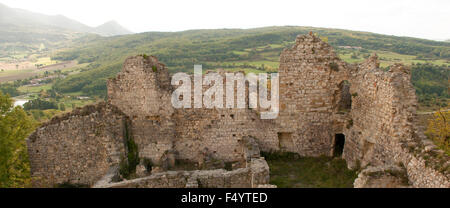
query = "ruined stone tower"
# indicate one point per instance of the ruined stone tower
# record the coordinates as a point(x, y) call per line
point(143, 91)
point(327, 107)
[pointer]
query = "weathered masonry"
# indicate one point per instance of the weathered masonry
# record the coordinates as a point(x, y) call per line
point(327, 107)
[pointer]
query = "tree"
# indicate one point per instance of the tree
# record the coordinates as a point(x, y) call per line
point(439, 130)
point(15, 126)
point(40, 104)
point(10, 89)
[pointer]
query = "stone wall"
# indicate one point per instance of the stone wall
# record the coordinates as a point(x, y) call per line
point(142, 91)
point(310, 76)
point(219, 132)
point(256, 174)
point(382, 177)
point(379, 127)
point(78, 147)
point(383, 118)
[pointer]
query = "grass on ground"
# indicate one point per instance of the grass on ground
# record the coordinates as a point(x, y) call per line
point(289, 170)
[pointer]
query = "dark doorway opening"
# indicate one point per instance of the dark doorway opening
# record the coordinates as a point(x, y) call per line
point(339, 141)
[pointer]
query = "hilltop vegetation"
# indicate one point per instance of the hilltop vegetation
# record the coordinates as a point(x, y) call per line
point(432, 84)
point(178, 50)
point(251, 50)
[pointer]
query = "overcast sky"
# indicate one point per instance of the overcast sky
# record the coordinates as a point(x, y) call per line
point(415, 18)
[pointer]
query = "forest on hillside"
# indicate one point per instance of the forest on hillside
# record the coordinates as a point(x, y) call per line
point(255, 50)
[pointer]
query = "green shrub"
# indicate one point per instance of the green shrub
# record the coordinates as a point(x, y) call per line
point(40, 105)
point(127, 166)
point(334, 66)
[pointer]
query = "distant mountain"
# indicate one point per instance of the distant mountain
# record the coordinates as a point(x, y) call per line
point(23, 33)
point(20, 17)
point(111, 28)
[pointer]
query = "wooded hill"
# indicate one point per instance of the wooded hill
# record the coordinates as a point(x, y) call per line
point(249, 50)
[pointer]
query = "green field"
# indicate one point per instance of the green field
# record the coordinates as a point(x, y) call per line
point(34, 89)
point(45, 61)
point(388, 58)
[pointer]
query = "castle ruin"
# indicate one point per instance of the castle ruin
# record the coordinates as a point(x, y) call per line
point(327, 107)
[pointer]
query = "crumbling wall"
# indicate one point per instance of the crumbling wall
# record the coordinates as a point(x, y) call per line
point(383, 124)
point(374, 121)
point(320, 96)
point(310, 76)
point(142, 90)
point(255, 175)
point(218, 132)
point(77, 148)
point(380, 127)
point(382, 177)
point(423, 173)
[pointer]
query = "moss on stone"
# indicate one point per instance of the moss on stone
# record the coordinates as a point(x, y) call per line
point(127, 166)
